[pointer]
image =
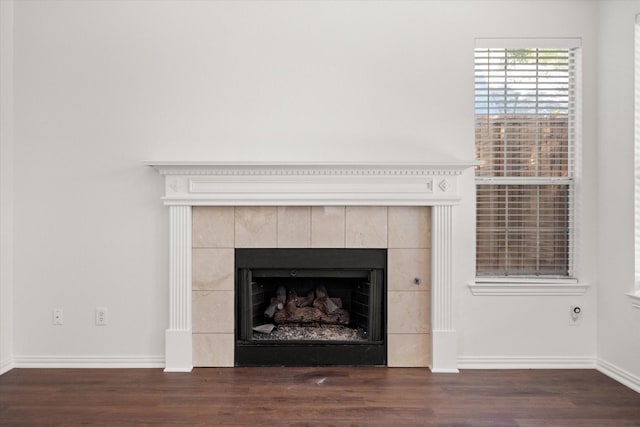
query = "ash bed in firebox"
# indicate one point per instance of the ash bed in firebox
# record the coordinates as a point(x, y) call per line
point(310, 307)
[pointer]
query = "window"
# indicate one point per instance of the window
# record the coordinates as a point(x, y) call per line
point(526, 122)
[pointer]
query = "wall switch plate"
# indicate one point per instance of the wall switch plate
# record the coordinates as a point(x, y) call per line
point(58, 316)
point(101, 316)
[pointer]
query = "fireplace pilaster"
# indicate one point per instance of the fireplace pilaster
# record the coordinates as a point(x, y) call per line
point(178, 337)
point(444, 336)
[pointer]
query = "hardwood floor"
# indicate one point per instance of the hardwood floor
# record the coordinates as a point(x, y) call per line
point(315, 396)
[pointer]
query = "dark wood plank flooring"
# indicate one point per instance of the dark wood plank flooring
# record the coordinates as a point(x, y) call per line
point(315, 396)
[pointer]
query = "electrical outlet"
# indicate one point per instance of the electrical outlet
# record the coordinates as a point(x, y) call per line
point(101, 316)
point(58, 316)
point(575, 315)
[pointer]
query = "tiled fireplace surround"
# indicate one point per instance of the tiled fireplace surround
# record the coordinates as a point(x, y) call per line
point(404, 230)
point(216, 207)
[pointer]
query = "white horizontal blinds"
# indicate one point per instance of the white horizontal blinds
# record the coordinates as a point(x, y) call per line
point(525, 110)
point(637, 152)
point(522, 112)
point(523, 230)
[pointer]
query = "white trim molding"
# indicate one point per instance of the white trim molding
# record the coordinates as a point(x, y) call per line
point(98, 362)
point(289, 184)
point(624, 377)
point(531, 362)
point(178, 338)
point(6, 365)
point(527, 287)
point(444, 345)
point(190, 184)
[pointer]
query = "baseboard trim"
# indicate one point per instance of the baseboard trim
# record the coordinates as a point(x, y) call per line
point(624, 377)
point(6, 365)
point(98, 362)
point(532, 362)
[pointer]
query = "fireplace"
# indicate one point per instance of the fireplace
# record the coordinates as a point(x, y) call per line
point(188, 185)
point(310, 307)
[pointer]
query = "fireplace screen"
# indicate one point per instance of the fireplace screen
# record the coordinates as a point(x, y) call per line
point(310, 307)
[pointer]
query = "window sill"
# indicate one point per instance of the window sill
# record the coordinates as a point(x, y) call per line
point(527, 287)
point(635, 299)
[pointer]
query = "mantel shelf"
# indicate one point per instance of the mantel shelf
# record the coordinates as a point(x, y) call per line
point(281, 183)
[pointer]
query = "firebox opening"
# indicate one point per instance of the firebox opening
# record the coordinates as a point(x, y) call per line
point(310, 307)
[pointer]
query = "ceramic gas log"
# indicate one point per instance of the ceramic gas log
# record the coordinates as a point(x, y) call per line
point(317, 307)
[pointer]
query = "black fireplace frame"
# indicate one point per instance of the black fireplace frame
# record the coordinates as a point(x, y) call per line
point(340, 262)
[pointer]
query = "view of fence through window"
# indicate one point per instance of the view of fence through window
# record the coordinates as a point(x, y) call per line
point(524, 119)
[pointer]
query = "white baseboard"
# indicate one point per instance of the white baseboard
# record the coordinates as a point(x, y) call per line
point(532, 362)
point(6, 365)
point(624, 377)
point(88, 361)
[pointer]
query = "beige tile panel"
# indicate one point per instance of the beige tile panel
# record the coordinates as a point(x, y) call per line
point(366, 227)
point(212, 311)
point(408, 350)
point(327, 226)
point(212, 226)
point(294, 226)
point(404, 265)
point(408, 312)
point(213, 350)
point(213, 269)
point(409, 227)
point(256, 226)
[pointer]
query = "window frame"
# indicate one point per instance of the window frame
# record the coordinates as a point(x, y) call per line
point(542, 285)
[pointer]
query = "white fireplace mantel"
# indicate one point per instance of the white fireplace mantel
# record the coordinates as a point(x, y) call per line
point(190, 184)
point(237, 184)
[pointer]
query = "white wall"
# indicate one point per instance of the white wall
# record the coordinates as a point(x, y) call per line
point(101, 86)
point(6, 186)
point(618, 331)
